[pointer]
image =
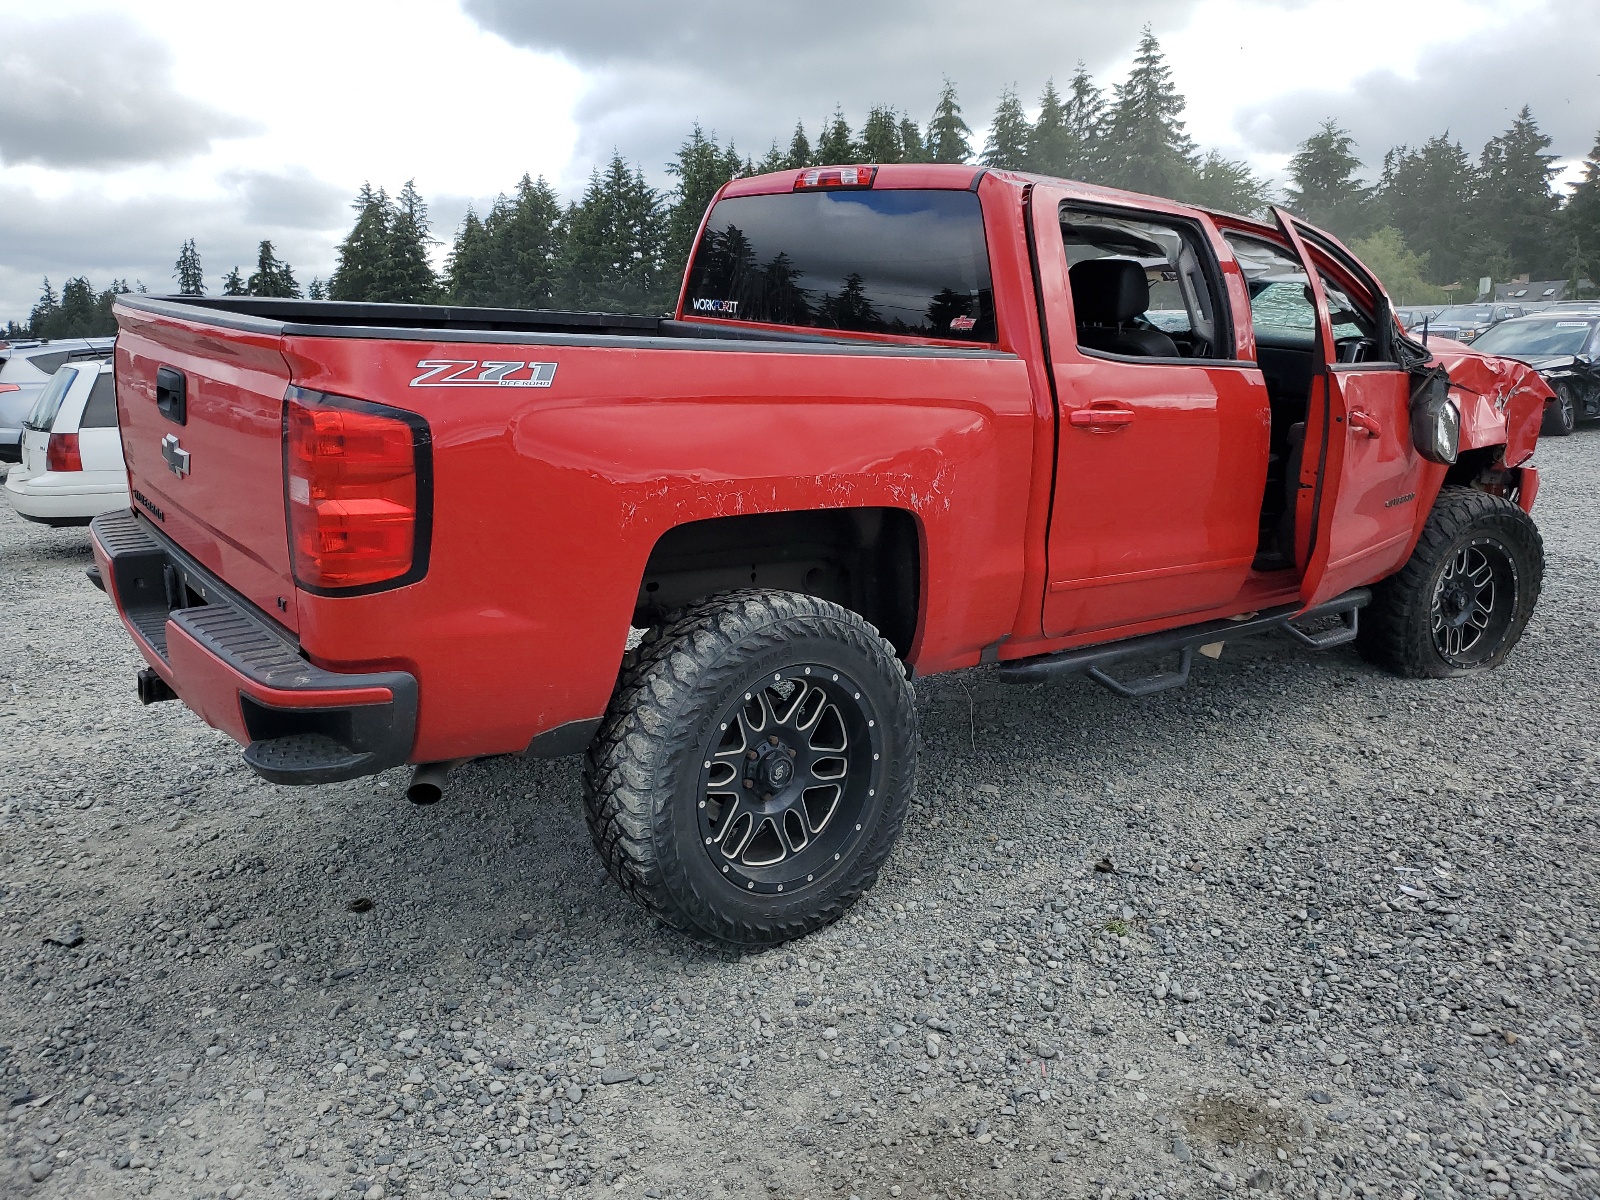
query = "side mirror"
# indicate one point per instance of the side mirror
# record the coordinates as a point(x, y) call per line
point(1435, 419)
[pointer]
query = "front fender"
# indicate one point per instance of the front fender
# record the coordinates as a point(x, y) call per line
point(1501, 400)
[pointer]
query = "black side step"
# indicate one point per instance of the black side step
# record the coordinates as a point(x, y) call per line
point(1093, 660)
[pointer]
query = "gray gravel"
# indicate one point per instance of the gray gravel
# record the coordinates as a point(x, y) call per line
point(1300, 928)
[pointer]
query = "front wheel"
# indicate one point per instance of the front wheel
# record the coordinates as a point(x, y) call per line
point(1462, 600)
point(1560, 414)
point(754, 767)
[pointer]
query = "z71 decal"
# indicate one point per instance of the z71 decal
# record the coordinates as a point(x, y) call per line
point(460, 372)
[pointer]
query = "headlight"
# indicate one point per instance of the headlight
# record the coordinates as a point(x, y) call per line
point(1435, 419)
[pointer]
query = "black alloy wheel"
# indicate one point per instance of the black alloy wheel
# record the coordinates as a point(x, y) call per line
point(1474, 601)
point(754, 768)
point(787, 777)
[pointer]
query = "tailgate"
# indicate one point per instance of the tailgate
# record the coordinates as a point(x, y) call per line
point(209, 472)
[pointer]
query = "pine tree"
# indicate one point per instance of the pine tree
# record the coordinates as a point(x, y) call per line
point(469, 267)
point(523, 239)
point(701, 168)
point(1049, 143)
point(272, 277)
point(613, 252)
point(409, 277)
point(949, 138)
point(1146, 147)
point(44, 309)
point(1229, 185)
point(1428, 195)
point(233, 284)
point(1006, 147)
point(1325, 189)
point(1516, 206)
point(880, 136)
point(775, 159)
point(191, 279)
point(836, 146)
point(799, 149)
point(912, 147)
point(363, 255)
point(316, 289)
point(1582, 219)
point(1085, 119)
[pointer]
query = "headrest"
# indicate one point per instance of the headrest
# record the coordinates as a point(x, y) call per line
point(1108, 291)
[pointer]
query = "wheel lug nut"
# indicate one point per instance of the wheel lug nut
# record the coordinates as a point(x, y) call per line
point(747, 783)
point(750, 754)
point(773, 739)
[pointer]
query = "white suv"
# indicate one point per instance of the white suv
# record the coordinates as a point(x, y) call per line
point(25, 371)
point(72, 468)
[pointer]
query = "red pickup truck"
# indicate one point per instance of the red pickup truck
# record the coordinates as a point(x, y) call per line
point(906, 419)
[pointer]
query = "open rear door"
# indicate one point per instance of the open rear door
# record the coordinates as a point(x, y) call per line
point(1355, 512)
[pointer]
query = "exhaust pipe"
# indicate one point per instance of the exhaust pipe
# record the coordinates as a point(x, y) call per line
point(428, 781)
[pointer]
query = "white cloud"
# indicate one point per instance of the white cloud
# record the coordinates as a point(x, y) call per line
point(132, 124)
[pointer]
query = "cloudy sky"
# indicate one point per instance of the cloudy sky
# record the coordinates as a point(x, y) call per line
point(129, 125)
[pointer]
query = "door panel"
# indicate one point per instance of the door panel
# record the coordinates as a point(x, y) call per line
point(1360, 474)
point(1159, 474)
point(1374, 506)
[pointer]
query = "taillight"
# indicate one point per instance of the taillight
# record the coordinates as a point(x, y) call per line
point(61, 453)
point(835, 177)
point(357, 477)
point(10, 387)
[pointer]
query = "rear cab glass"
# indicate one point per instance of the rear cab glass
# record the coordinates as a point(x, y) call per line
point(899, 262)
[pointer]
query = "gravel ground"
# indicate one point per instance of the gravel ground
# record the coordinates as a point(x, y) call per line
point(1300, 928)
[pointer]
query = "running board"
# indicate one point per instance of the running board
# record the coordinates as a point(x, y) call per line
point(1093, 660)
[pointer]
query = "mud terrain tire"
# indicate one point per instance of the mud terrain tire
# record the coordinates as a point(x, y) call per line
point(1462, 600)
point(754, 767)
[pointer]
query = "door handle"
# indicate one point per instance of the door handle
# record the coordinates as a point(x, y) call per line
point(1366, 423)
point(1100, 420)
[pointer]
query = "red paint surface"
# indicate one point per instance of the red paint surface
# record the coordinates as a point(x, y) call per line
point(1037, 532)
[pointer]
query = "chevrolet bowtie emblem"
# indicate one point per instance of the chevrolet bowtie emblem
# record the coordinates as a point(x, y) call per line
point(177, 457)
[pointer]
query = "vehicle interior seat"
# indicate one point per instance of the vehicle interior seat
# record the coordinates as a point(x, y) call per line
point(1107, 293)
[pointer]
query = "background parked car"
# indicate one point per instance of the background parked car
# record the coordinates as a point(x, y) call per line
point(1413, 317)
point(1472, 320)
point(72, 468)
point(1563, 345)
point(25, 370)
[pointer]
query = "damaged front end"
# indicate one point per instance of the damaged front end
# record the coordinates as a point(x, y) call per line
point(1502, 404)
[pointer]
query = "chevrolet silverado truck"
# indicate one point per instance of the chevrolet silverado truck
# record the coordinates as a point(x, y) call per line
point(904, 420)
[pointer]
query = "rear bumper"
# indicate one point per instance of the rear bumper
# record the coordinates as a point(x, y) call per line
point(241, 673)
point(61, 497)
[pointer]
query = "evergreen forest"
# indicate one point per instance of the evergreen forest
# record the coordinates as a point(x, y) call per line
point(1435, 219)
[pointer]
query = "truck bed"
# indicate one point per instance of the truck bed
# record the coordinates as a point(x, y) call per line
point(435, 322)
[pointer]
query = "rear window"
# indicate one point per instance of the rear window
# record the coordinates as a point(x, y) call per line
point(101, 410)
point(48, 404)
point(899, 262)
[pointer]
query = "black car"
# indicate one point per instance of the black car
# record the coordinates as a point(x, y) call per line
point(1564, 347)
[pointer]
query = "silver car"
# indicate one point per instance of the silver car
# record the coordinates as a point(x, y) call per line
point(25, 371)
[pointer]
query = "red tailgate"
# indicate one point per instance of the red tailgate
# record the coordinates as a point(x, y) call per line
point(212, 481)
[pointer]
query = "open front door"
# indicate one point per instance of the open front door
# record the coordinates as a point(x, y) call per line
point(1360, 476)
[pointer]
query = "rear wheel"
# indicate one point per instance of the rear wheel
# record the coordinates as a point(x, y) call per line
point(1560, 414)
point(1463, 599)
point(754, 768)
